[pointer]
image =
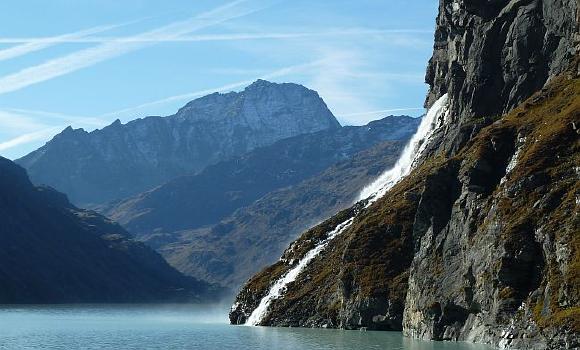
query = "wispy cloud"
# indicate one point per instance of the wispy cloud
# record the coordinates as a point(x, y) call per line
point(30, 137)
point(335, 83)
point(36, 44)
point(390, 33)
point(91, 56)
point(77, 119)
point(20, 127)
point(14, 121)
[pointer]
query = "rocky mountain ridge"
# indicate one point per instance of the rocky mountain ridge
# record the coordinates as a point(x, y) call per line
point(193, 201)
point(122, 160)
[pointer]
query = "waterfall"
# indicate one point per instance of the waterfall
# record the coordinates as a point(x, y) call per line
point(411, 153)
point(280, 286)
point(374, 191)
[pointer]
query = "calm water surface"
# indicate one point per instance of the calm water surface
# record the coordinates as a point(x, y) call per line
point(177, 327)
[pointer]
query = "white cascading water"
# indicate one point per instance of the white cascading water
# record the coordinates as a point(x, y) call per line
point(411, 153)
point(279, 287)
point(373, 192)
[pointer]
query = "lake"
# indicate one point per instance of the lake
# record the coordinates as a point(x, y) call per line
point(177, 327)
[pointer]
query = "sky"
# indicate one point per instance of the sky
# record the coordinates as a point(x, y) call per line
point(85, 63)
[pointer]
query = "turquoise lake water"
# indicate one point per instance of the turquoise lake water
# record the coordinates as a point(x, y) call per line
point(177, 327)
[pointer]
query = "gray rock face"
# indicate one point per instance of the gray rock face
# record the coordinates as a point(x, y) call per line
point(489, 56)
point(125, 159)
point(485, 267)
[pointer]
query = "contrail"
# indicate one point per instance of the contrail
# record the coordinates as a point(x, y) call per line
point(30, 137)
point(91, 56)
point(94, 121)
point(17, 122)
point(37, 44)
point(215, 37)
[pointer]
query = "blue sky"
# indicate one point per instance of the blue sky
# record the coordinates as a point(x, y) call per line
point(86, 63)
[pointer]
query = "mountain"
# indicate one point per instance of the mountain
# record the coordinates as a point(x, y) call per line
point(122, 160)
point(478, 240)
point(52, 252)
point(254, 236)
point(190, 202)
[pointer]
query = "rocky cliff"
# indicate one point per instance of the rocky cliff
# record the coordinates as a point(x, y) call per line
point(52, 252)
point(489, 56)
point(480, 241)
point(122, 160)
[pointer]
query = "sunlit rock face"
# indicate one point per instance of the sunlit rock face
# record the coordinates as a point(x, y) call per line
point(489, 56)
point(124, 159)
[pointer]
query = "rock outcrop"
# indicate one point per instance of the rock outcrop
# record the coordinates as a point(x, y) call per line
point(52, 252)
point(489, 56)
point(122, 160)
point(501, 265)
point(481, 241)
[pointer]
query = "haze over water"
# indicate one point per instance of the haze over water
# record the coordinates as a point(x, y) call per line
point(177, 327)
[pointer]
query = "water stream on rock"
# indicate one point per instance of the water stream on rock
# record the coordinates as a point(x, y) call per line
point(278, 288)
point(374, 191)
point(413, 150)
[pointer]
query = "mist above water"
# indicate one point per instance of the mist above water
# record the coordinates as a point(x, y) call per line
point(122, 327)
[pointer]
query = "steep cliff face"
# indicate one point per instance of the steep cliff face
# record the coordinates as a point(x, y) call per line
point(52, 252)
point(503, 266)
point(122, 160)
point(489, 56)
point(480, 241)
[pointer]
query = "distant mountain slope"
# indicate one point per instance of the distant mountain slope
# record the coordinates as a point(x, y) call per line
point(255, 236)
point(190, 202)
point(52, 252)
point(121, 160)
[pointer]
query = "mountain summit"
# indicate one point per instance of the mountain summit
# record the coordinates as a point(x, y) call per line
point(125, 159)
